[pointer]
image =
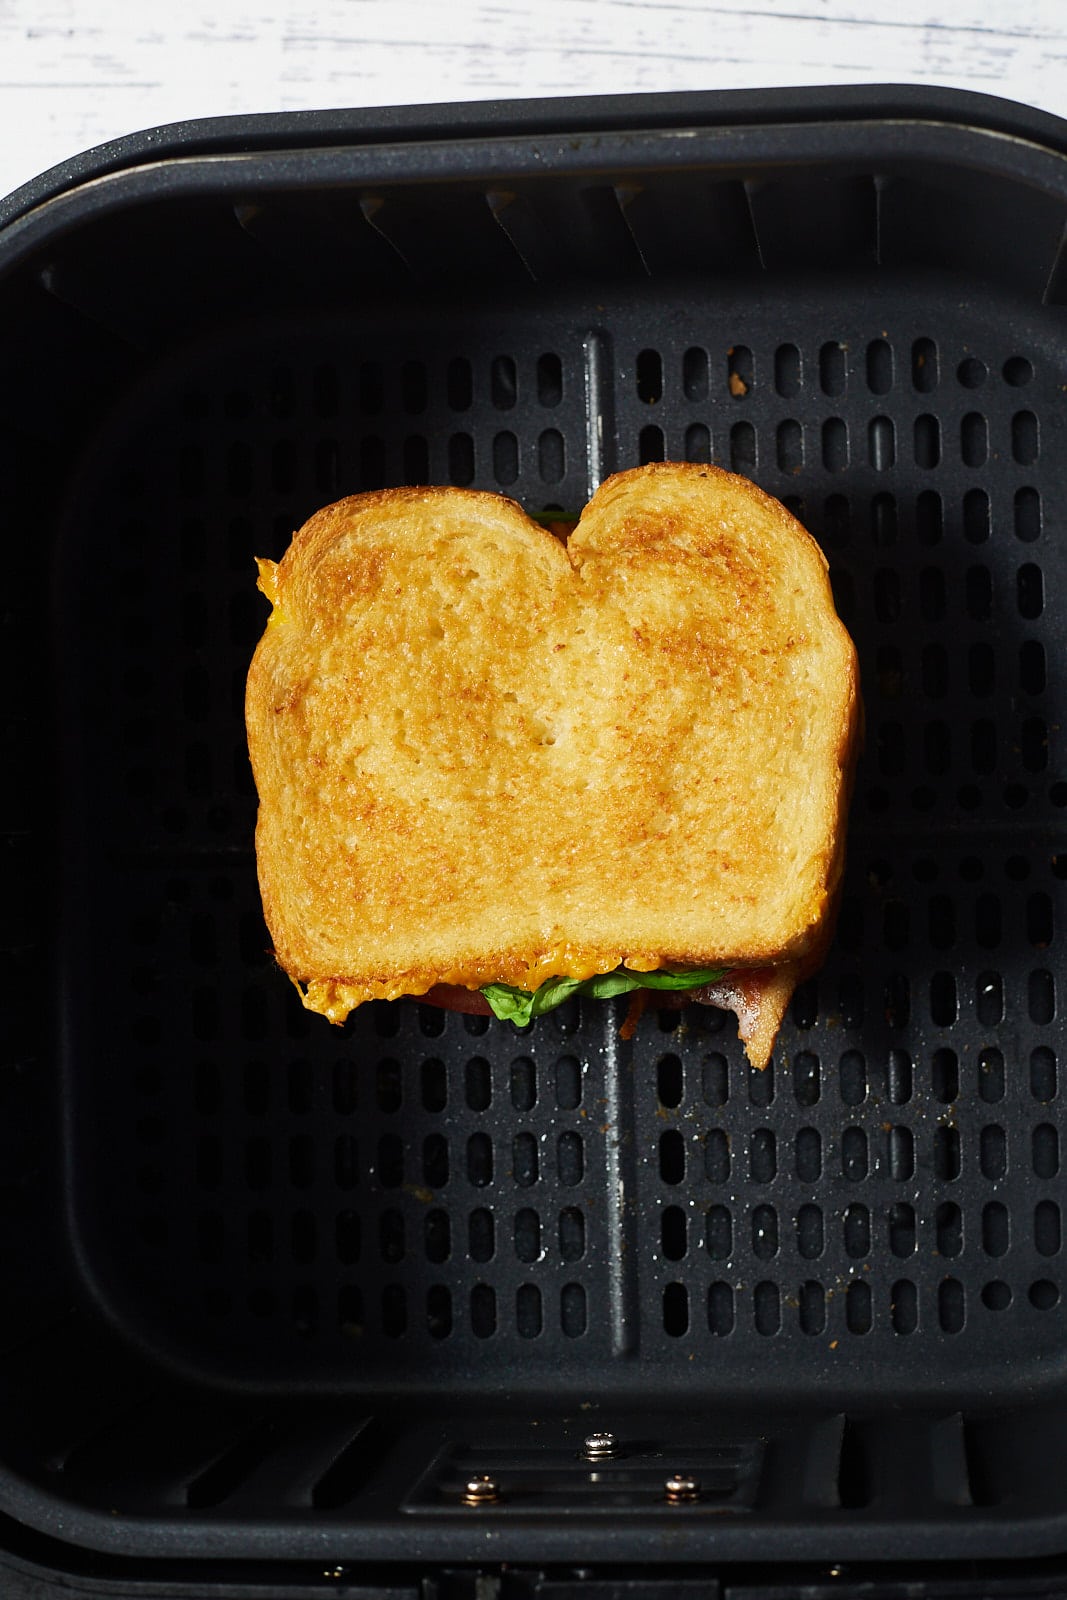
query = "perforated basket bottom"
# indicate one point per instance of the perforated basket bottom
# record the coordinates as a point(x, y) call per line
point(421, 1202)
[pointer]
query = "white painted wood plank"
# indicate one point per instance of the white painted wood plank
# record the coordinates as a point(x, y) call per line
point(73, 74)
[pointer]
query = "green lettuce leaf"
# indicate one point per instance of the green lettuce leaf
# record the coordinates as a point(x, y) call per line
point(521, 1006)
point(545, 517)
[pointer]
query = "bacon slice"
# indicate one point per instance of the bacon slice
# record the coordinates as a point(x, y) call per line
point(759, 997)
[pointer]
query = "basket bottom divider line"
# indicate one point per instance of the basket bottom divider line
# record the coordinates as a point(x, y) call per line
point(621, 1195)
point(599, 421)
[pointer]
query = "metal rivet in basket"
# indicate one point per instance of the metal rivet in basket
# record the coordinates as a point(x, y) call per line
point(481, 1490)
point(600, 1446)
point(682, 1487)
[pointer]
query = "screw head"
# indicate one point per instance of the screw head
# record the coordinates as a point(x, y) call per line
point(600, 1446)
point(481, 1490)
point(681, 1487)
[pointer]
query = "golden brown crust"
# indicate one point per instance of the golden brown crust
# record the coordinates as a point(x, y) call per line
point(483, 755)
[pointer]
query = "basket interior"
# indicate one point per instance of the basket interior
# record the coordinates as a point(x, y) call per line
point(265, 1274)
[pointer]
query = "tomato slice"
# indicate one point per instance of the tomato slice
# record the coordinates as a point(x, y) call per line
point(453, 997)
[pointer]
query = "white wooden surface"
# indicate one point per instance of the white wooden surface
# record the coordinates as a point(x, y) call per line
point(76, 72)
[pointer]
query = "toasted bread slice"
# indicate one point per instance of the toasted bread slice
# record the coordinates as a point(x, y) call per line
point(486, 756)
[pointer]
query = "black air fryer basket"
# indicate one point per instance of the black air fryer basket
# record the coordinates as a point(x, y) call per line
point(273, 1292)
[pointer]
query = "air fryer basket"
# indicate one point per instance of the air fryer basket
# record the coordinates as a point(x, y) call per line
point(277, 1289)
